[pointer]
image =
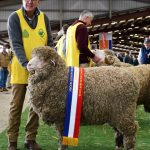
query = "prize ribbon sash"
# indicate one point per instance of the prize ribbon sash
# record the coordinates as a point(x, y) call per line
point(73, 106)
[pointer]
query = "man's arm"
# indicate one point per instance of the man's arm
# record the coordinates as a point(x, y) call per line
point(82, 41)
point(49, 32)
point(15, 36)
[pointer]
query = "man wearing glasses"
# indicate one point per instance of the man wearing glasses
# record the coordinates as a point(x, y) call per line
point(28, 28)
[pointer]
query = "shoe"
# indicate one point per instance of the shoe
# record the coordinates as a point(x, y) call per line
point(4, 89)
point(12, 146)
point(1, 89)
point(32, 145)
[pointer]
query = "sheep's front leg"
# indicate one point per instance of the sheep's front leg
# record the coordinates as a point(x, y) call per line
point(147, 108)
point(129, 134)
point(59, 131)
point(118, 140)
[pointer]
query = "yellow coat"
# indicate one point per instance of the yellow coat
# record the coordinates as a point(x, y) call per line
point(72, 51)
point(60, 45)
point(31, 38)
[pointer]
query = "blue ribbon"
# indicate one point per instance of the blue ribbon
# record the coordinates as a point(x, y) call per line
point(69, 100)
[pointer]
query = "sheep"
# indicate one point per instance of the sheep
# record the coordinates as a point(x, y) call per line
point(110, 95)
point(142, 74)
point(108, 58)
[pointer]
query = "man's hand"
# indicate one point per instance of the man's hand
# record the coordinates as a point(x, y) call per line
point(96, 59)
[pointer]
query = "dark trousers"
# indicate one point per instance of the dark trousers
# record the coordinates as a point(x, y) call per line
point(3, 75)
point(16, 105)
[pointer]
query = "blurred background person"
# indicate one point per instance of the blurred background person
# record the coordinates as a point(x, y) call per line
point(127, 58)
point(144, 54)
point(135, 60)
point(4, 63)
point(61, 44)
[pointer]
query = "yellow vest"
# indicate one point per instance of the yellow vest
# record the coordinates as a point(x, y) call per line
point(4, 59)
point(31, 38)
point(72, 51)
point(60, 45)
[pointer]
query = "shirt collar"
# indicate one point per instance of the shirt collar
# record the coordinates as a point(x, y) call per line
point(79, 21)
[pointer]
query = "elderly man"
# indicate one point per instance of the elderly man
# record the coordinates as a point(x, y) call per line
point(78, 52)
point(28, 28)
point(144, 54)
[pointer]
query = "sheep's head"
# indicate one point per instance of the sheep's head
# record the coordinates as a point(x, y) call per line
point(107, 57)
point(43, 62)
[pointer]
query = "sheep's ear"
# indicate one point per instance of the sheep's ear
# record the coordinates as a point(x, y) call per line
point(109, 59)
point(54, 63)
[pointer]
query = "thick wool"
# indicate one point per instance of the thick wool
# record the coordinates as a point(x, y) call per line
point(110, 95)
point(142, 74)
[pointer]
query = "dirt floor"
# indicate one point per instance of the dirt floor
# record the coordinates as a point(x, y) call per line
point(5, 98)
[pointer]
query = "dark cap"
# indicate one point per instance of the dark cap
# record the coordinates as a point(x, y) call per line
point(147, 40)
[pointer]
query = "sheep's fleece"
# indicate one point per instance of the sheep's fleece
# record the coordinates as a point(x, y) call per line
point(141, 73)
point(110, 94)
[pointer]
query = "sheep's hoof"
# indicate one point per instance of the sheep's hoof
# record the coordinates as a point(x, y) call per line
point(119, 148)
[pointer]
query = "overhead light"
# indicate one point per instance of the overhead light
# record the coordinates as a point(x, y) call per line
point(142, 37)
point(114, 22)
point(89, 27)
point(145, 28)
point(147, 17)
point(131, 20)
point(122, 21)
point(96, 26)
point(105, 24)
point(136, 27)
point(139, 18)
point(95, 34)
